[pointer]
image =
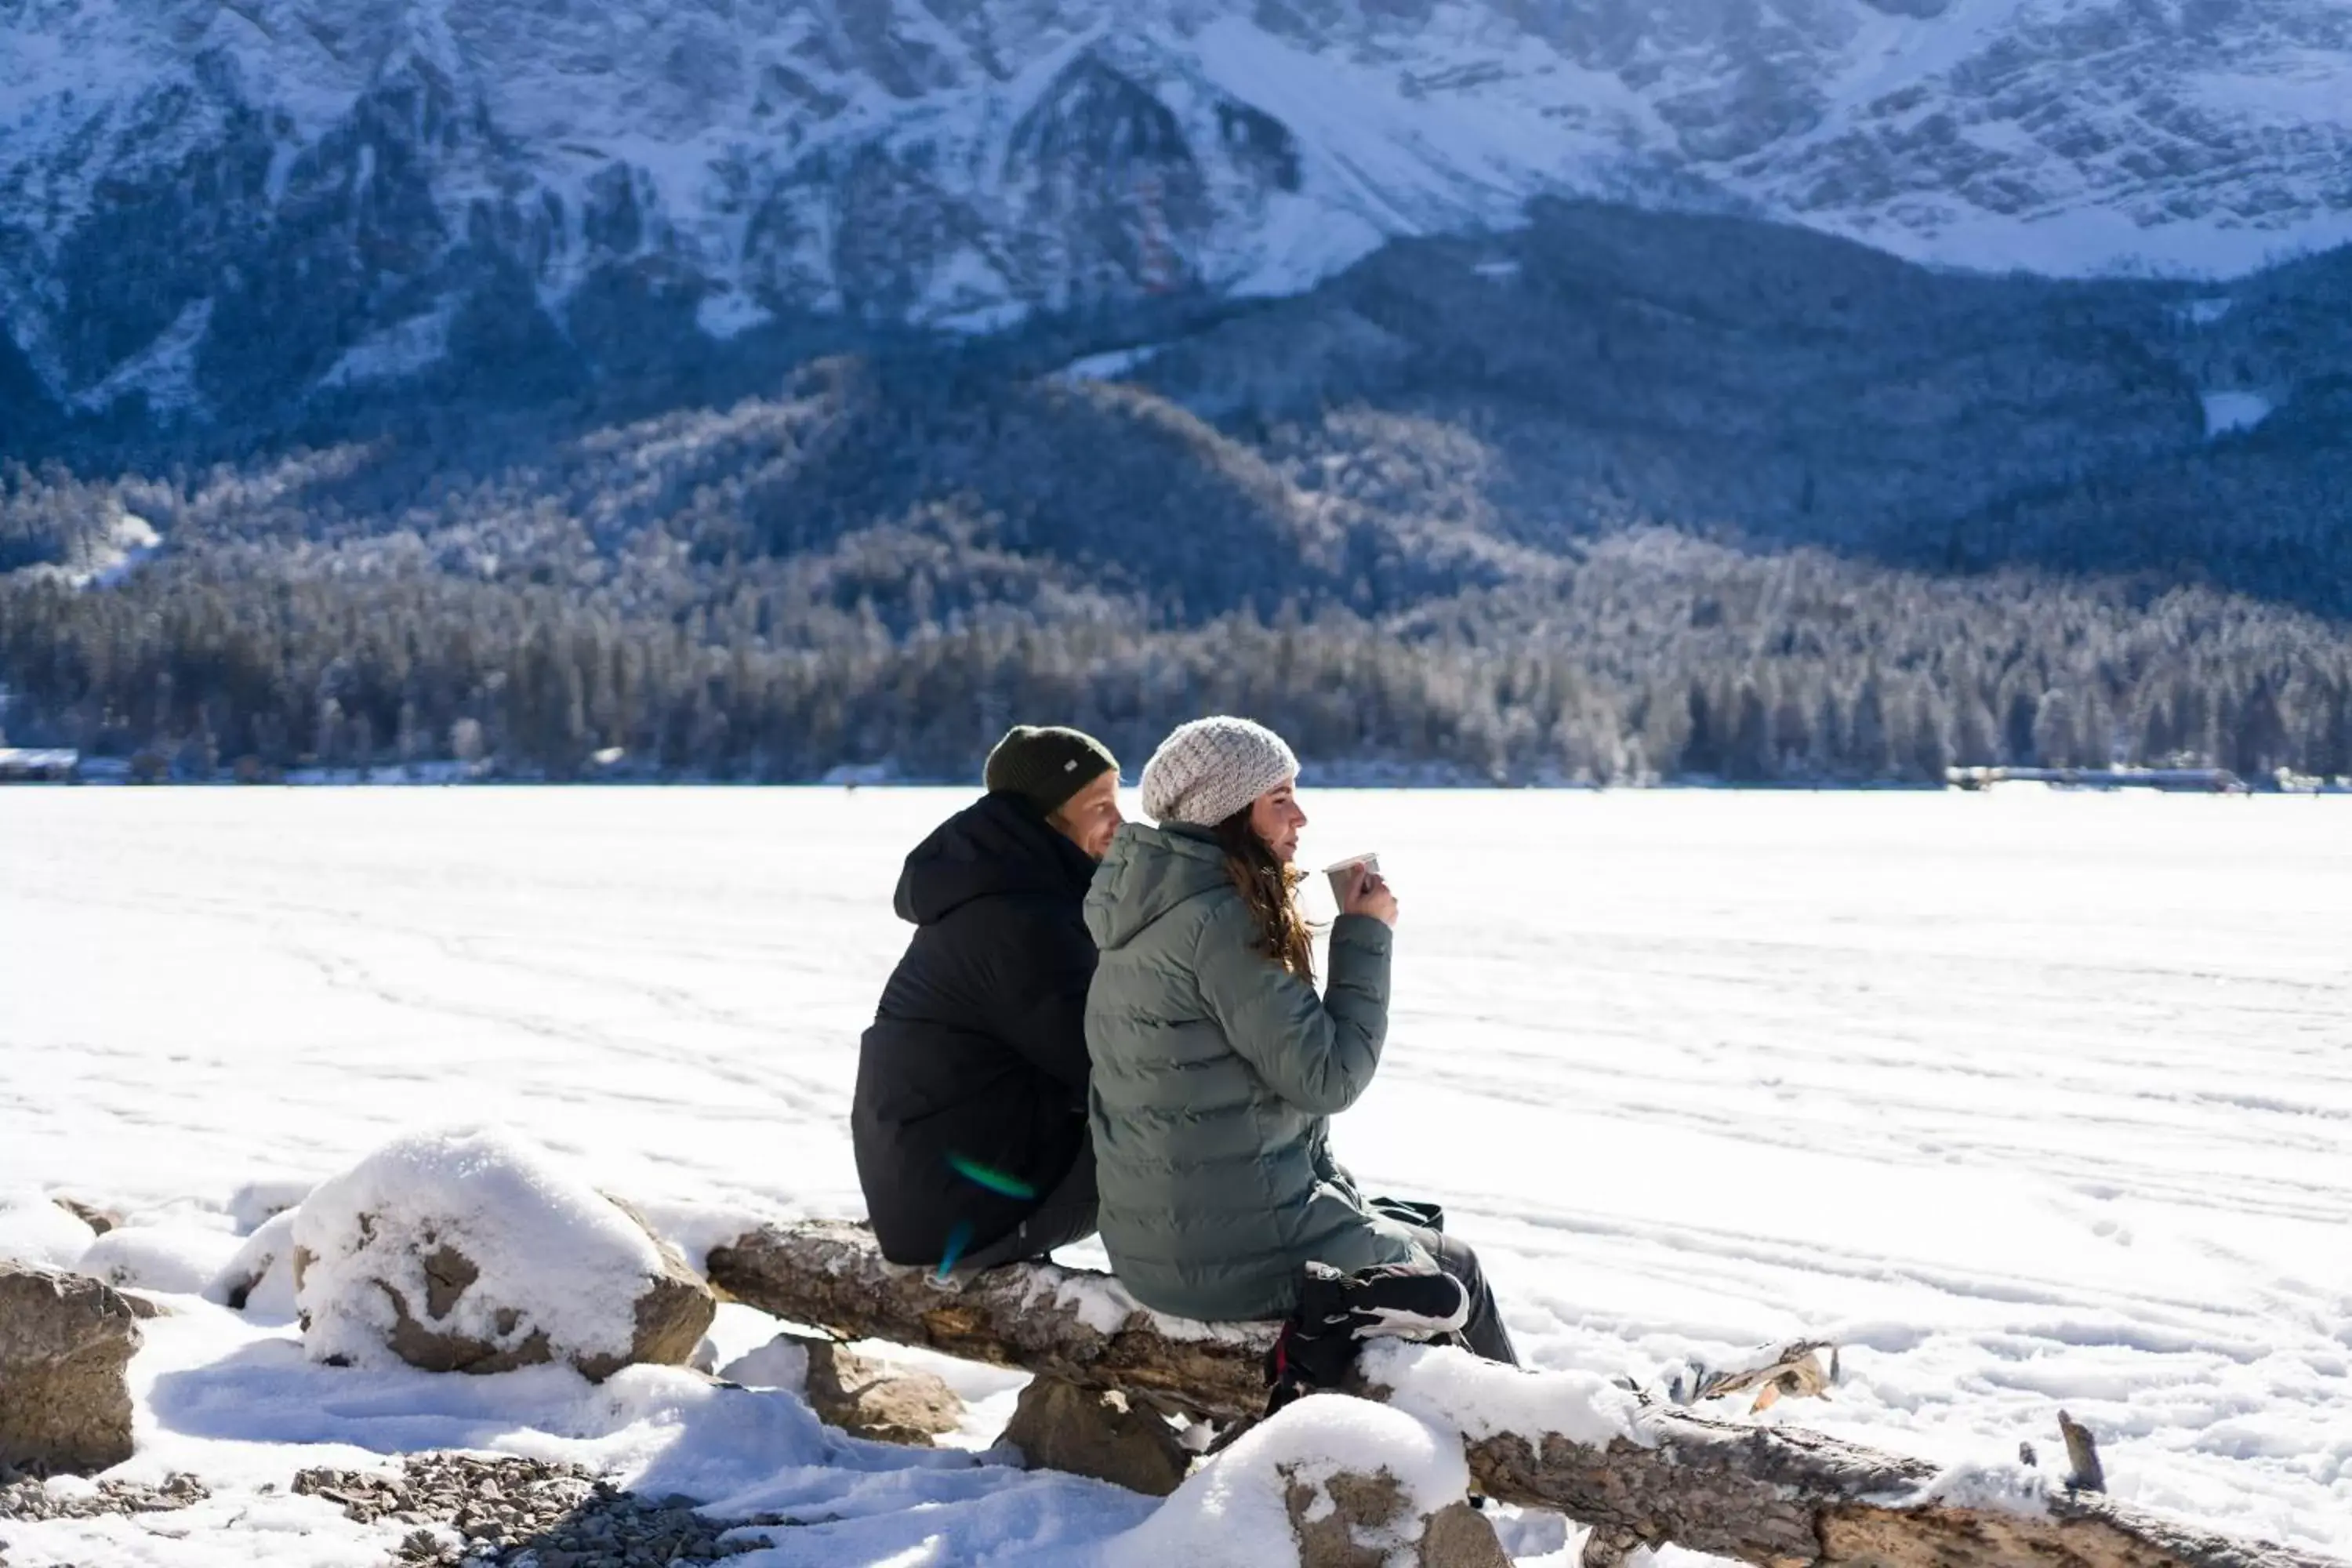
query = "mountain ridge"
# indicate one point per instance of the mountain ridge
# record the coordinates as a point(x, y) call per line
point(206, 207)
point(1618, 497)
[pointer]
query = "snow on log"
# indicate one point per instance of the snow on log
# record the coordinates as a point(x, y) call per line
point(1642, 1472)
point(1071, 1324)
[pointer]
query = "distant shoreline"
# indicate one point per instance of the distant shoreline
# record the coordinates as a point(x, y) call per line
point(389, 779)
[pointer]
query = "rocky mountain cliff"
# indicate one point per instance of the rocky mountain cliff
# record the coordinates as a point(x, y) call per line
point(248, 212)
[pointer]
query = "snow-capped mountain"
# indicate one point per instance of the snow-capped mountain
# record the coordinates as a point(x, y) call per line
point(205, 200)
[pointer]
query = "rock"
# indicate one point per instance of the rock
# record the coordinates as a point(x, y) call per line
point(868, 1399)
point(1058, 1425)
point(65, 1340)
point(471, 1252)
point(782, 1362)
point(515, 1512)
point(447, 1275)
point(175, 1258)
point(34, 1502)
point(98, 1219)
point(255, 1204)
point(38, 1232)
point(146, 1308)
point(1352, 1521)
point(1459, 1536)
point(673, 1314)
point(1328, 1519)
point(260, 1277)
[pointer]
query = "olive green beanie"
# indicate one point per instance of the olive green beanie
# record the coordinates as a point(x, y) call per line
point(1045, 765)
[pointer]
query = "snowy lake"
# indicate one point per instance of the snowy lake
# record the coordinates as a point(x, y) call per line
point(2028, 1099)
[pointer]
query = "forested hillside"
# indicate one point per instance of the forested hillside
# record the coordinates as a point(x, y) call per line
point(1619, 496)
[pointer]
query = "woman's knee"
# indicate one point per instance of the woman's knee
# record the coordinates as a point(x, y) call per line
point(1460, 1260)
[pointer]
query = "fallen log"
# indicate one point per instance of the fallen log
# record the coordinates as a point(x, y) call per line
point(1640, 1471)
point(1080, 1327)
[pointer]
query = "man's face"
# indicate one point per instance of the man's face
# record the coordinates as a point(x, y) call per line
point(1089, 817)
point(1275, 818)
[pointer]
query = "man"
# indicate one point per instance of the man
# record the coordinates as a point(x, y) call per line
point(970, 1121)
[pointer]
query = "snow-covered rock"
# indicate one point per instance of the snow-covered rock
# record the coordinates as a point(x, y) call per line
point(98, 1219)
point(474, 1251)
point(65, 1340)
point(783, 1363)
point(179, 1259)
point(861, 1397)
point(39, 1233)
point(868, 1398)
point(260, 1278)
point(255, 1204)
point(1348, 1483)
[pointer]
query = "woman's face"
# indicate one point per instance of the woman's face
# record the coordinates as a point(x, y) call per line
point(1275, 818)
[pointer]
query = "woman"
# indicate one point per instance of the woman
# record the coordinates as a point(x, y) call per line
point(1216, 1063)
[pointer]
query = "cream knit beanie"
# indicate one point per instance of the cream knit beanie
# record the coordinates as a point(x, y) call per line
point(1212, 768)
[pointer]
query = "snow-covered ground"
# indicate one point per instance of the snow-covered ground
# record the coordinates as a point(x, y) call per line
point(2227, 412)
point(2030, 1100)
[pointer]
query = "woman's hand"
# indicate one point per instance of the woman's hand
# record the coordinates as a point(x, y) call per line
point(1371, 897)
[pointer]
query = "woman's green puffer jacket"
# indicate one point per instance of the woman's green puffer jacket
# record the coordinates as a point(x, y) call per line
point(1214, 1069)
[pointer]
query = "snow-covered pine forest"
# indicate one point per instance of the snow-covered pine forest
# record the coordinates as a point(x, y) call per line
point(1618, 496)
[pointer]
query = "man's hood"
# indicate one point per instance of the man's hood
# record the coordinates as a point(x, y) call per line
point(997, 845)
point(1150, 871)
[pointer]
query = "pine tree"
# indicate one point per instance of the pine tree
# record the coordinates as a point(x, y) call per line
point(2055, 738)
point(1870, 754)
point(1750, 757)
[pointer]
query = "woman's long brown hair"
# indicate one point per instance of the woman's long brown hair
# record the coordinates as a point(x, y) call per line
point(1270, 889)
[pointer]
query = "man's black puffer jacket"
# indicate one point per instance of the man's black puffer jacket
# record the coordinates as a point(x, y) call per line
point(978, 1053)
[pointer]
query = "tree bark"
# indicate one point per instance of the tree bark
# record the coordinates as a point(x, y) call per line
point(1776, 1496)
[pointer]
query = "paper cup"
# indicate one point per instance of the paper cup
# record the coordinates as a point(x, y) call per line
point(1342, 874)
